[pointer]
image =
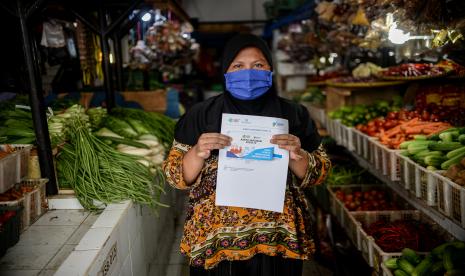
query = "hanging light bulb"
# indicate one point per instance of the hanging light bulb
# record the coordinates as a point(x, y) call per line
point(146, 17)
point(397, 36)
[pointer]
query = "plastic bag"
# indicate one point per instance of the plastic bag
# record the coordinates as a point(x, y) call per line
point(52, 35)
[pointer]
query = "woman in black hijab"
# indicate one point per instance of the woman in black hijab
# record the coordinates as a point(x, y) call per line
point(222, 240)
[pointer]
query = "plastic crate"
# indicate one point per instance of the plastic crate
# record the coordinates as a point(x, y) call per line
point(336, 207)
point(451, 198)
point(343, 215)
point(391, 163)
point(24, 152)
point(34, 203)
point(8, 171)
point(333, 129)
point(347, 137)
point(11, 230)
point(362, 143)
point(378, 256)
point(385, 271)
point(407, 172)
point(426, 185)
point(376, 159)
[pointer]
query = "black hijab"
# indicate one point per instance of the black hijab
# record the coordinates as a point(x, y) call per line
point(206, 116)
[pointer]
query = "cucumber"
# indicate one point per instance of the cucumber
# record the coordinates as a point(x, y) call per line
point(417, 147)
point(449, 136)
point(405, 265)
point(423, 267)
point(438, 251)
point(411, 256)
point(434, 161)
point(453, 153)
point(391, 263)
point(405, 144)
point(444, 146)
point(431, 168)
point(420, 137)
point(437, 269)
point(453, 161)
point(461, 139)
point(435, 136)
point(422, 154)
point(399, 272)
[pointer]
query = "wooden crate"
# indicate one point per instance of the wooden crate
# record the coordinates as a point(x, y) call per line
point(149, 100)
point(338, 97)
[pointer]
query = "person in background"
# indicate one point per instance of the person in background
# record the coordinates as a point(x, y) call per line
point(221, 240)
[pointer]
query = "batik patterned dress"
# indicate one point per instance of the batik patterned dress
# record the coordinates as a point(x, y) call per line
point(216, 233)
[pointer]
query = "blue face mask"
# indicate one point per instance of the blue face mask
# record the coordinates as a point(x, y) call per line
point(248, 84)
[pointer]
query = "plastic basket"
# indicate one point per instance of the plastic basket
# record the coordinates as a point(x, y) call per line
point(8, 171)
point(426, 185)
point(451, 198)
point(407, 172)
point(33, 203)
point(11, 230)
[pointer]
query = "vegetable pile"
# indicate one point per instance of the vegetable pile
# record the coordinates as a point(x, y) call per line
point(6, 150)
point(18, 128)
point(401, 126)
point(16, 193)
point(445, 259)
point(456, 173)
point(135, 132)
point(370, 200)
point(361, 114)
point(347, 175)
point(397, 235)
point(413, 70)
point(96, 171)
point(445, 101)
point(313, 95)
point(438, 151)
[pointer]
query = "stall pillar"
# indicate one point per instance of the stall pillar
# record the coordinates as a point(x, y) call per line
point(37, 100)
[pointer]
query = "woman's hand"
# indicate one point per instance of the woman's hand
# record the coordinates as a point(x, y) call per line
point(211, 141)
point(299, 161)
point(288, 142)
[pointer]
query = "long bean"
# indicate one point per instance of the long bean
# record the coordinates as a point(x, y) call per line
point(98, 172)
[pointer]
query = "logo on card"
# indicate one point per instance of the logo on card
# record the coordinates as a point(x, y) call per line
point(231, 120)
point(277, 124)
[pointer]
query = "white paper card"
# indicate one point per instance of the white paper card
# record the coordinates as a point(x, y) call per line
point(252, 172)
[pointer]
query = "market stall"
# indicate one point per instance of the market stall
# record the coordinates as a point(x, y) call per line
point(388, 87)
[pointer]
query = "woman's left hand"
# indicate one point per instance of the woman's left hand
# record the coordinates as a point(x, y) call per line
point(288, 142)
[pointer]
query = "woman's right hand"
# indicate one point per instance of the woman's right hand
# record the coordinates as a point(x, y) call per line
point(211, 141)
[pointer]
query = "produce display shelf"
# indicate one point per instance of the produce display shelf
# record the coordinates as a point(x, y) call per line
point(448, 224)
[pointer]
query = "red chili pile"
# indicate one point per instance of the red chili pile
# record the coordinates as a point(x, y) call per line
point(397, 235)
point(414, 70)
point(5, 217)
